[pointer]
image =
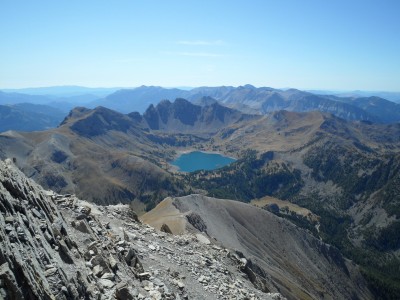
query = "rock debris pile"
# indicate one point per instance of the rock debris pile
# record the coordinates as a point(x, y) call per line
point(59, 247)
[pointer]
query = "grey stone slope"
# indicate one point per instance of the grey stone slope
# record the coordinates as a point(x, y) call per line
point(59, 247)
point(286, 258)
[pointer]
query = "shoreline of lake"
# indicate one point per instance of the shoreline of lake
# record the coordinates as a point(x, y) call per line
point(180, 152)
point(211, 160)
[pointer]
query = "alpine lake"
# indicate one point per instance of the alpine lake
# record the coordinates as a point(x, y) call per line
point(198, 160)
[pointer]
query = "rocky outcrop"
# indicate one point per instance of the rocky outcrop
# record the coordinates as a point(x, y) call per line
point(183, 116)
point(59, 247)
point(196, 221)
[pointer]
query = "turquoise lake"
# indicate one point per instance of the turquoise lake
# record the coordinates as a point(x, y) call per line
point(197, 160)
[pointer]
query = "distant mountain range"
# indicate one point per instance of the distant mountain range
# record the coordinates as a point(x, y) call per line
point(138, 99)
point(247, 99)
point(14, 98)
point(392, 96)
point(29, 117)
point(36, 111)
point(64, 91)
point(254, 100)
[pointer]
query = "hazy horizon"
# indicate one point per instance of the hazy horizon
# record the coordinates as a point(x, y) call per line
point(193, 87)
point(311, 45)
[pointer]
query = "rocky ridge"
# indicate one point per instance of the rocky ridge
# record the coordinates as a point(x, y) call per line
point(280, 256)
point(59, 247)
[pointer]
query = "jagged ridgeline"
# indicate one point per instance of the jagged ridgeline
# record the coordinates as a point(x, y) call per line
point(261, 100)
point(345, 173)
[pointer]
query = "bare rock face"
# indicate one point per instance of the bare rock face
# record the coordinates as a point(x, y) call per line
point(59, 247)
point(196, 221)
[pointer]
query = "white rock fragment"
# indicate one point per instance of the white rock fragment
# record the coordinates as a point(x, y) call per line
point(106, 283)
point(202, 239)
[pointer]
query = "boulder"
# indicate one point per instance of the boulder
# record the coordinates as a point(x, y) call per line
point(97, 270)
point(122, 292)
point(106, 283)
point(86, 210)
point(109, 276)
point(165, 228)
point(82, 226)
point(132, 215)
point(113, 263)
point(9, 219)
point(202, 239)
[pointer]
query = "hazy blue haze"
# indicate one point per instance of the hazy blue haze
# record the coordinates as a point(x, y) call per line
point(310, 44)
point(196, 160)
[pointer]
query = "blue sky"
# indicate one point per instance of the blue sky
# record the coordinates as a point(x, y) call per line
point(306, 44)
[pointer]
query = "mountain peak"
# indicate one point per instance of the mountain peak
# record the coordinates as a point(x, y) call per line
point(97, 121)
point(249, 86)
point(75, 114)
